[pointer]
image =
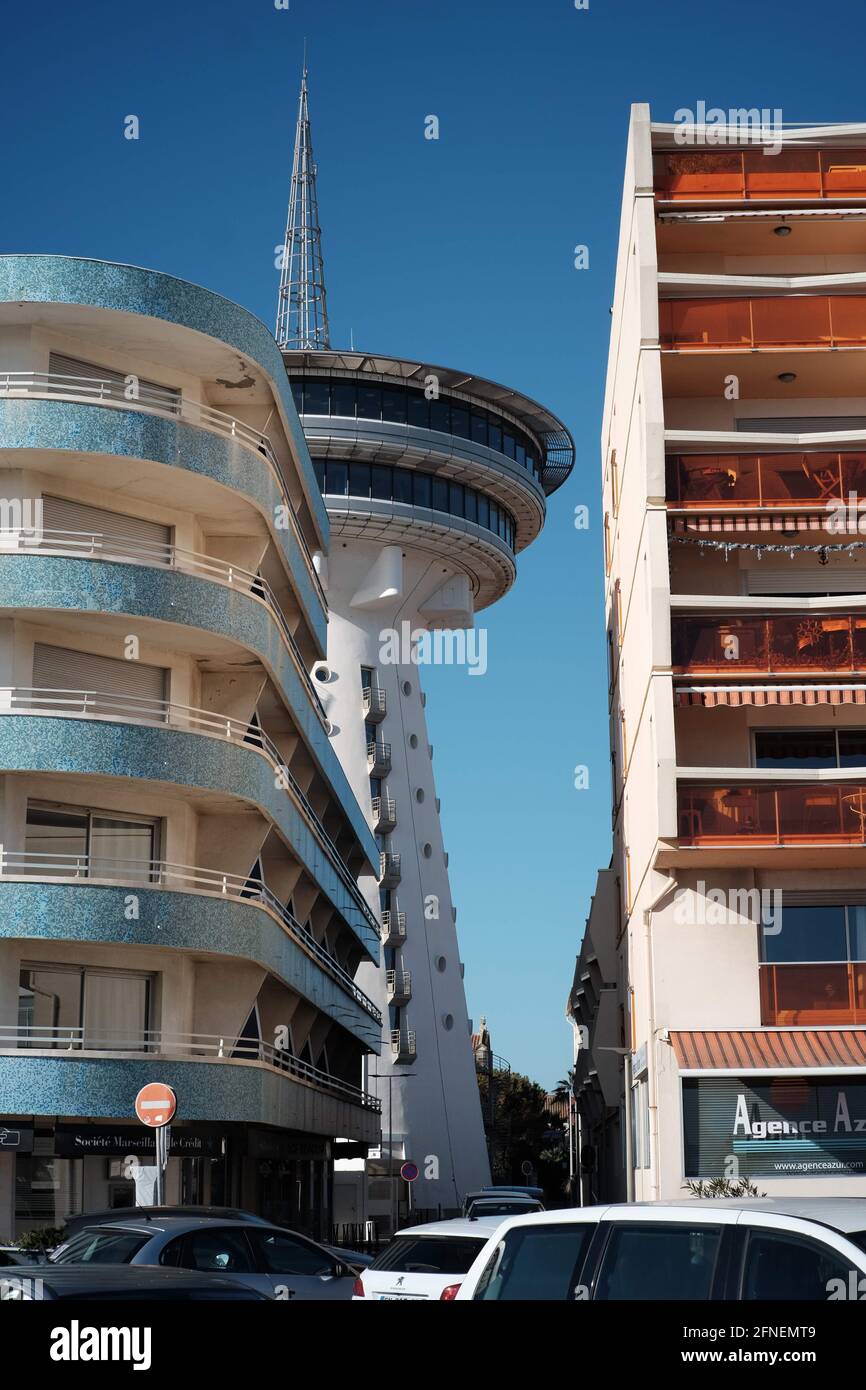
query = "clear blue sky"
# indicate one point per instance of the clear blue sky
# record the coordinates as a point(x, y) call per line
point(459, 251)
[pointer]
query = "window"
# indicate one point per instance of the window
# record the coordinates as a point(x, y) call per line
point(483, 512)
point(440, 495)
point(381, 482)
point(790, 1268)
point(471, 504)
point(359, 480)
point(537, 1263)
point(494, 435)
point(72, 840)
point(70, 1005)
point(455, 499)
point(317, 398)
point(402, 485)
point(430, 1254)
point(509, 447)
point(394, 405)
point(460, 421)
point(649, 1260)
point(418, 410)
point(478, 428)
point(337, 478)
point(97, 1246)
point(440, 416)
point(224, 1250)
point(808, 748)
point(369, 403)
point(422, 490)
point(276, 1253)
point(343, 399)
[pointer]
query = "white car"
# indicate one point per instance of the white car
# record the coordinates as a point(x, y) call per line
point(751, 1249)
point(424, 1262)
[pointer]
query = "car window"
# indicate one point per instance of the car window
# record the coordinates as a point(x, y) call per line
point(650, 1260)
point(224, 1250)
point(98, 1246)
point(172, 1254)
point(779, 1265)
point(283, 1254)
point(537, 1263)
point(430, 1254)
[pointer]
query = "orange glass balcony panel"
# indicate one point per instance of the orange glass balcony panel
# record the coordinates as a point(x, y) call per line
point(785, 321)
point(699, 174)
point(794, 644)
point(813, 995)
point(705, 323)
point(751, 175)
point(772, 815)
point(843, 172)
point(767, 480)
point(795, 173)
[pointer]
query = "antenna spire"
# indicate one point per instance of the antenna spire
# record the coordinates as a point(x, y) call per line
point(302, 311)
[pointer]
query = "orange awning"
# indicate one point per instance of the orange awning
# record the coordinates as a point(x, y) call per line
point(770, 1048)
point(735, 695)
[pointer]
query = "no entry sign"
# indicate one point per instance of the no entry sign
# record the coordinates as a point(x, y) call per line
point(409, 1172)
point(155, 1104)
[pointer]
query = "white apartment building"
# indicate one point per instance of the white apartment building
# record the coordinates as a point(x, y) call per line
point(732, 974)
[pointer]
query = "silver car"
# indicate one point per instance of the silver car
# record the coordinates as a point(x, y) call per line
point(276, 1262)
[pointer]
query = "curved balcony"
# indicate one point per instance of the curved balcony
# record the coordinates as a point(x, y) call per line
point(97, 391)
point(384, 814)
point(790, 480)
point(180, 1046)
point(791, 175)
point(799, 644)
point(126, 550)
point(403, 1045)
point(186, 882)
point(214, 1089)
point(393, 928)
point(398, 985)
point(389, 870)
point(161, 714)
point(785, 321)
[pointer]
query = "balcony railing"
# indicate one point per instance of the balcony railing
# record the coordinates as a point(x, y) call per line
point(384, 813)
point(93, 545)
point(787, 814)
point(94, 704)
point(97, 391)
point(798, 644)
point(403, 1045)
point(764, 480)
point(378, 758)
point(786, 321)
point(182, 878)
point(389, 870)
point(375, 704)
point(393, 928)
point(816, 994)
point(791, 175)
point(398, 984)
point(180, 1046)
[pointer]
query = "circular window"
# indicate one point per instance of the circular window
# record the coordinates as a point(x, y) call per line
point(441, 963)
point(428, 850)
point(407, 687)
point(322, 671)
point(447, 1022)
point(419, 795)
point(413, 740)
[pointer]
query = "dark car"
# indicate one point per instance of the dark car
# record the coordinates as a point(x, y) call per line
point(122, 1282)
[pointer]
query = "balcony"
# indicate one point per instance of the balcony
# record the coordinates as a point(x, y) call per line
point(800, 644)
point(795, 813)
point(403, 1045)
point(385, 813)
point(764, 480)
point(398, 984)
point(375, 704)
point(789, 321)
point(378, 758)
point(790, 176)
point(818, 994)
point(393, 928)
point(389, 870)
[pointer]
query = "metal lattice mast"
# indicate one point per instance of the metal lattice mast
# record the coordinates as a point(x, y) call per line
point(302, 310)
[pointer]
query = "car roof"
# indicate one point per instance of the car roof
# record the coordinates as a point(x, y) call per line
point(504, 1197)
point(841, 1213)
point(482, 1226)
point(175, 1225)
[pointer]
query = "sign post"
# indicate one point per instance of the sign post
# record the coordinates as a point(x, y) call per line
point(155, 1106)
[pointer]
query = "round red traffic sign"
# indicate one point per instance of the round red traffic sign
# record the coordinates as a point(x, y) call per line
point(409, 1172)
point(155, 1104)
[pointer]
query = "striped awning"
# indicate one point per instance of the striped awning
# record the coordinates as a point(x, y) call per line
point(716, 523)
point(736, 695)
point(770, 1048)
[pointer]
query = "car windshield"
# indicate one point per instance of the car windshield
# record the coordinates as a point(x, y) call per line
point(98, 1246)
point(430, 1254)
point(857, 1238)
point(502, 1208)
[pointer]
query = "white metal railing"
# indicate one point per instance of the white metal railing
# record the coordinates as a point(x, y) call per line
point(398, 981)
point(183, 878)
point(389, 865)
point(98, 391)
point(403, 1041)
point(374, 700)
point(127, 550)
point(378, 752)
point(384, 809)
point(155, 1043)
point(94, 704)
point(393, 923)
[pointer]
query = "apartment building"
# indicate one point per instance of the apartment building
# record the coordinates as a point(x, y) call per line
point(734, 468)
point(186, 878)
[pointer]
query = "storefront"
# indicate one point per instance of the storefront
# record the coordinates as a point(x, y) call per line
point(774, 1127)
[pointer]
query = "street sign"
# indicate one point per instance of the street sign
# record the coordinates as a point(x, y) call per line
point(409, 1172)
point(155, 1104)
point(526, 1168)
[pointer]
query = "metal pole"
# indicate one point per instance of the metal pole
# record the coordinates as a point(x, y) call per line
point(160, 1165)
point(629, 1136)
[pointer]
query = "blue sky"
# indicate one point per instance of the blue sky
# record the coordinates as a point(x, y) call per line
point(458, 250)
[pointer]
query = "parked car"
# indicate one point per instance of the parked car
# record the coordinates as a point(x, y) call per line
point(279, 1263)
point(504, 1192)
point(99, 1218)
point(10, 1255)
point(750, 1249)
point(424, 1262)
point(121, 1282)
